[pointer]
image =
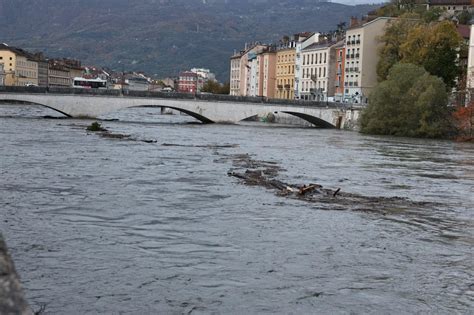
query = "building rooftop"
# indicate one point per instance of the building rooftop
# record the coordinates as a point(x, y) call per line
point(320, 45)
point(450, 2)
point(17, 51)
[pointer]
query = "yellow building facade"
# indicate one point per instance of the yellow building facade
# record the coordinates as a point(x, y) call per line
point(20, 70)
point(285, 73)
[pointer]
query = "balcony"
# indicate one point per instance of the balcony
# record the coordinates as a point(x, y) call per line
point(316, 91)
point(279, 86)
point(357, 55)
point(287, 86)
point(348, 42)
point(353, 42)
point(358, 41)
point(352, 55)
point(356, 69)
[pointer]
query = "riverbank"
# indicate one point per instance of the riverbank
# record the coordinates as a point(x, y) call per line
point(12, 300)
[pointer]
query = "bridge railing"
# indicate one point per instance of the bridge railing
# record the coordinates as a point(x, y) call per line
point(170, 95)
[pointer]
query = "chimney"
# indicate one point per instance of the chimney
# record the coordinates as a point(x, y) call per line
point(354, 21)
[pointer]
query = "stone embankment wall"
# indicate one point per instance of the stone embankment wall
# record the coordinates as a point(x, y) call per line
point(12, 300)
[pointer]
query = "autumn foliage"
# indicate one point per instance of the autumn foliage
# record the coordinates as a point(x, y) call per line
point(464, 117)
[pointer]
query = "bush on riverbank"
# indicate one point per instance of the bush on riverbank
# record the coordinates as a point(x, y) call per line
point(464, 117)
point(410, 103)
point(95, 126)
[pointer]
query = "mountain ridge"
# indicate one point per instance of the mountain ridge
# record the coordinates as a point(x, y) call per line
point(161, 37)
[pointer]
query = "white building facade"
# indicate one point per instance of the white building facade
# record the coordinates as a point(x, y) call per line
point(470, 65)
point(318, 71)
point(253, 74)
point(301, 44)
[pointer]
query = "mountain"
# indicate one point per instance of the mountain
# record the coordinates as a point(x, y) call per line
point(161, 37)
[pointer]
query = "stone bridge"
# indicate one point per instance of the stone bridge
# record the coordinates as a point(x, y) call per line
point(204, 107)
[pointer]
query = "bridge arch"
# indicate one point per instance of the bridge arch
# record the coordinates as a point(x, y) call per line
point(197, 116)
point(34, 103)
point(318, 122)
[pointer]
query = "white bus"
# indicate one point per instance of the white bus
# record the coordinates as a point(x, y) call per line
point(82, 83)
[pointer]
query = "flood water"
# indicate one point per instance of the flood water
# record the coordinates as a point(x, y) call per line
point(99, 225)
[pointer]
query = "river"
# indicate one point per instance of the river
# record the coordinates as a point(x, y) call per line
point(100, 225)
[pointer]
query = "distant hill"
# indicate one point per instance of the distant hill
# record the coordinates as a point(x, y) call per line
point(161, 37)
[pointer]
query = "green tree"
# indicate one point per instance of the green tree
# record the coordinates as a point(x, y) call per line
point(214, 87)
point(211, 86)
point(225, 88)
point(411, 103)
point(464, 17)
point(435, 47)
point(394, 37)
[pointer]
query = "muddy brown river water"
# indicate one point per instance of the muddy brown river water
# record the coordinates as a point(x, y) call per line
point(123, 226)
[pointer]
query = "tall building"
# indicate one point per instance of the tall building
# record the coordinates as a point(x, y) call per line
point(362, 58)
point(318, 71)
point(304, 40)
point(470, 65)
point(243, 72)
point(285, 68)
point(340, 73)
point(253, 74)
point(235, 74)
point(268, 72)
point(19, 65)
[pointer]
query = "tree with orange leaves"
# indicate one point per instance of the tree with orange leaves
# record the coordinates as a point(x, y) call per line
point(464, 117)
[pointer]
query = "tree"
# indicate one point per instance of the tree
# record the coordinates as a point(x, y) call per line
point(464, 117)
point(214, 87)
point(435, 47)
point(394, 37)
point(411, 103)
point(464, 17)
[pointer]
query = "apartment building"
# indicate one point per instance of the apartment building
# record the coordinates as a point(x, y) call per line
point(451, 6)
point(318, 71)
point(470, 64)
point(268, 72)
point(362, 58)
point(235, 74)
point(58, 75)
point(340, 73)
point(245, 71)
point(19, 66)
point(253, 75)
point(304, 40)
point(187, 82)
